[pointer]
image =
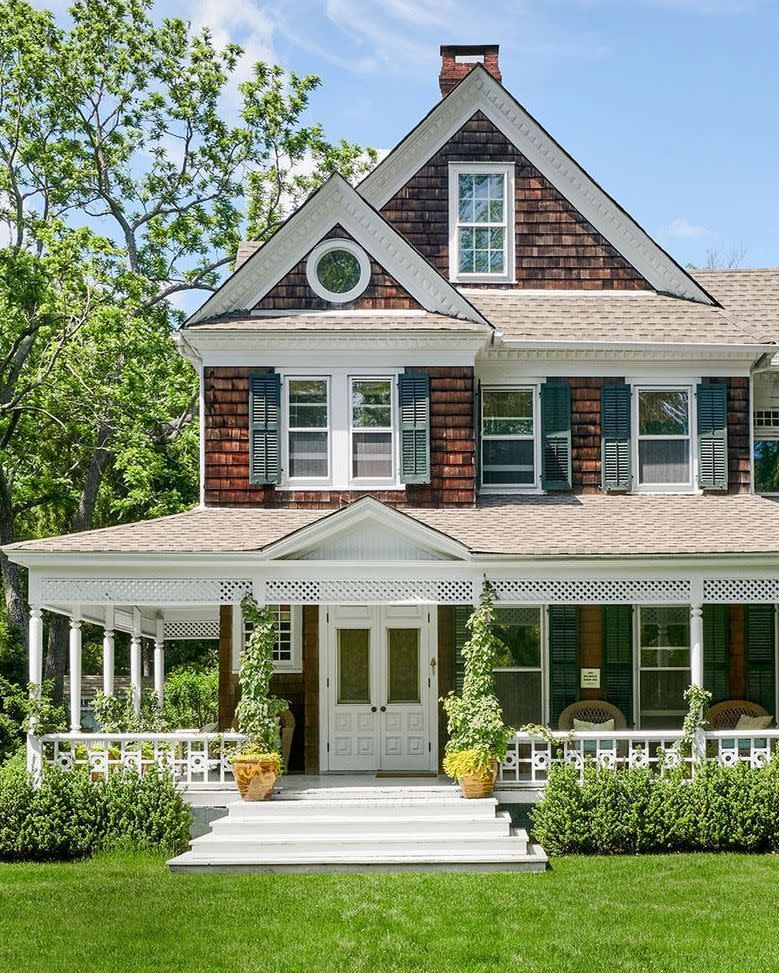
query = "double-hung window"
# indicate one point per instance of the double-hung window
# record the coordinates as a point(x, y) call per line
point(519, 682)
point(664, 440)
point(372, 427)
point(287, 651)
point(481, 221)
point(508, 442)
point(308, 429)
point(664, 664)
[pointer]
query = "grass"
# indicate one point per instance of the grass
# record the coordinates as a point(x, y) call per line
point(702, 913)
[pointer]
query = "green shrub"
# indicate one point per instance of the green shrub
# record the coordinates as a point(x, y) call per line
point(191, 697)
point(636, 810)
point(70, 816)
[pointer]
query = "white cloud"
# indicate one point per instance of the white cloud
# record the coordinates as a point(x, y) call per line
point(683, 229)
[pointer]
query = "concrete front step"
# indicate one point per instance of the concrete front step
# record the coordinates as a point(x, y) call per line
point(363, 806)
point(339, 821)
point(535, 860)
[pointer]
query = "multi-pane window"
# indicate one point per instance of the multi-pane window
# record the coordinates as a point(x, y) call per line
point(372, 427)
point(519, 672)
point(308, 428)
point(283, 651)
point(481, 217)
point(664, 664)
point(664, 452)
point(508, 437)
point(766, 449)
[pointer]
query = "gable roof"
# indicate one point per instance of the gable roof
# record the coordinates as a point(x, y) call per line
point(749, 296)
point(335, 202)
point(479, 91)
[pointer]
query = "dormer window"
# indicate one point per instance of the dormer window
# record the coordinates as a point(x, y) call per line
point(481, 221)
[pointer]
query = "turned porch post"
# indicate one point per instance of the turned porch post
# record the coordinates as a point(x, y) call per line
point(696, 644)
point(34, 756)
point(135, 661)
point(159, 661)
point(74, 646)
point(108, 653)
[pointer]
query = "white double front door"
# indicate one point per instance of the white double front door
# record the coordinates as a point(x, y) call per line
point(379, 688)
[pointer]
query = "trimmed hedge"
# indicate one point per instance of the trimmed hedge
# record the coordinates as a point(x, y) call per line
point(637, 811)
point(71, 816)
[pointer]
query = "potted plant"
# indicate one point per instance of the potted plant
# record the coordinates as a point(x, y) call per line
point(478, 737)
point(257, 763)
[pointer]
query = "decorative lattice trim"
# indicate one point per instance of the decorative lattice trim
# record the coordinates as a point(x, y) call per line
point(192, 630)
point(592, 590)
point(746, 590)
point(368, 591)
point(146, 591)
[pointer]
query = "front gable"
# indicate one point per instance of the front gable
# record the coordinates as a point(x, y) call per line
point(592, 209)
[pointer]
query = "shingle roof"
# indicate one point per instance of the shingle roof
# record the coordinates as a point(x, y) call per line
point(525, 526)
point(329, 321)
point(749, 296)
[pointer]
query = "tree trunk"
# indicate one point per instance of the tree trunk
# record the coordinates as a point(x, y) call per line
point(12, 580)
point(57, 655)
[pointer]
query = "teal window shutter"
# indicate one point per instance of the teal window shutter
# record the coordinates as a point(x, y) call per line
point(414, 400)
point(760, 656)
point(264, 416)
point(617, 659)
point(556, 436)
point(615, 437)
point(713, 436)
point(461, 615)
point(716, 651)
point(563, 659)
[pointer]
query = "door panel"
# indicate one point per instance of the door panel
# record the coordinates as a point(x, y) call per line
point(353, 721)
point(404, 735)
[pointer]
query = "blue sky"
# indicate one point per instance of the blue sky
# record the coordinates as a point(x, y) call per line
point(672, 105)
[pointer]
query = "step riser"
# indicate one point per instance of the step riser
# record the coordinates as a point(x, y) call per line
point(344, 826)
point(377, 848)
point(260, 810)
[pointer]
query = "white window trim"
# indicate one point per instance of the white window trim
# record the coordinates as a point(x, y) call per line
point(366, 483)
point(543, 668)
point(507, 169)
point(296, 640)
point(691, 485)
point(638, 668)
point(340, 451)
point(306, 482)
point(504, 489)
point(319, 251)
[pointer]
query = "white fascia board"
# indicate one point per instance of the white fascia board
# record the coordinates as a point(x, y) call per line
point(336, 202)
point(598, 351)
point(479, 91)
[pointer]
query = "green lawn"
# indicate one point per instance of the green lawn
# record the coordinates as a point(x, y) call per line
point(704, 913)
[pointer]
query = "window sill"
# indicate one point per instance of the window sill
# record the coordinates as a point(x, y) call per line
point(495, 491)
point(481, 279)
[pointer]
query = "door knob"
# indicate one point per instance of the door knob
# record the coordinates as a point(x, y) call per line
point(373, 709)
point(383, 709)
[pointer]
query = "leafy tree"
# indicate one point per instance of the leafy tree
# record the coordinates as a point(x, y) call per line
point(124, 186)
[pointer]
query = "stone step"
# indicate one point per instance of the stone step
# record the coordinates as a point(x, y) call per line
point(397, 845)
point(350, 821)
point(364, 806)
point(459, 860)
point(358, 793)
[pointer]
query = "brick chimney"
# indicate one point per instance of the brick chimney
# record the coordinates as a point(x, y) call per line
point(458, 59)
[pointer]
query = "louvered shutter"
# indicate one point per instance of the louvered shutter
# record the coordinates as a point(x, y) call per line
point(556, 436)
point(618, 658)
point(760, 656)
point(461, 615)
point(563, 659)
point(615, 436)
point(716, 651)
point(264, 410)
point(414, 398)
point(713, 436)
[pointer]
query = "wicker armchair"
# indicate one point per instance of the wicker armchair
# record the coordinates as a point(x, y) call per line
point(724, 716)
point(592, 710)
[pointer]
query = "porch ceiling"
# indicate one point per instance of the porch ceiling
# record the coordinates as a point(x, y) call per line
point(538, 527)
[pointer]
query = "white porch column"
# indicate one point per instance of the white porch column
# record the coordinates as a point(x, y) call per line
point(696, 644)
point(108, 653)
point(159, 662)
point(135, 661)
point(74, 644)
point(34, 755)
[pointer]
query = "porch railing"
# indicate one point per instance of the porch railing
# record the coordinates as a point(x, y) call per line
point(192, 757)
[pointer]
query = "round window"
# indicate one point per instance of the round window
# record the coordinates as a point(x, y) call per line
point(338, 270)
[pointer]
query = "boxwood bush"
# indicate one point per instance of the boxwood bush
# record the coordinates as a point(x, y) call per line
point(636, 810)
point(70, 816)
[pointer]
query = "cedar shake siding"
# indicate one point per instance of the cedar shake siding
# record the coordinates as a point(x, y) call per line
point(452, 448)
point(293, 291)
point(555, 246)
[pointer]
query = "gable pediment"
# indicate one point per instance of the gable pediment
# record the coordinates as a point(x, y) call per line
point(370, 542)
point(479, 92)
